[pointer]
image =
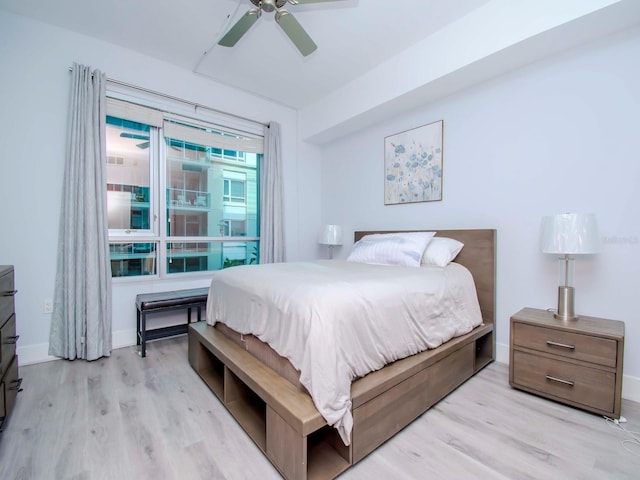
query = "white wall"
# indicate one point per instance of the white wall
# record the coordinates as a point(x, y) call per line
point(34, 90)
point(560, 135)
point(557, 136)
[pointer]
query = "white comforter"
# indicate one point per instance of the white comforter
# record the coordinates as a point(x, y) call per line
point(337, 320)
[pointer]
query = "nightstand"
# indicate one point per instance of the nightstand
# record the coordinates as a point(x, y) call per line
point(576, 362)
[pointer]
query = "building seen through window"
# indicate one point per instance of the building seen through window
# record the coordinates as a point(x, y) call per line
point(181, 198)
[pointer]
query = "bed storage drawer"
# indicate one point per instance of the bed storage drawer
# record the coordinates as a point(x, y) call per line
point(598, 350)
point(387, 413)
point(451, 372)
point(565, 381)
point(398, 406)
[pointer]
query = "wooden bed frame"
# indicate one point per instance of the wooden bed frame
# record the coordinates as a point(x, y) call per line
point(281, 417)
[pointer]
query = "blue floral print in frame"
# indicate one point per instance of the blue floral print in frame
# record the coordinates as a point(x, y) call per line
point(413, 165)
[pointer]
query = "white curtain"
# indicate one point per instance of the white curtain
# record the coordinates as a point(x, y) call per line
point(81, 320)
point(272, 249)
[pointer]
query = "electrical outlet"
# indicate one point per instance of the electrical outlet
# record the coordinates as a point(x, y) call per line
point(48, 305)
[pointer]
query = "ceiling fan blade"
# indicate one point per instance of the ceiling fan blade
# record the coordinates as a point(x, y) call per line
point(239, 29)
point(295, 32)
point(134, 136)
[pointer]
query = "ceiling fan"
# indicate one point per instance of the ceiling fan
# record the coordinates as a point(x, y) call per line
point(174, 144)
point(135, 136)
point(285, 19)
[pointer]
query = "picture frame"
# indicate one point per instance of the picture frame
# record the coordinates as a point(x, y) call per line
point(413, 165)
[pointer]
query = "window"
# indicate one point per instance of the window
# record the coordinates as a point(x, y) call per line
point(128, 175)
point(233, 228)
point(182, 194)
point(233, 191)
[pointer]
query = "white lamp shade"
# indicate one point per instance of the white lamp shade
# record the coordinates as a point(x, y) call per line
point(331, 235)
point(570, 233)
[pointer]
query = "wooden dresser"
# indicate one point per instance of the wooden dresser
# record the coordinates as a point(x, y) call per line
point(9, 379)
point(576, 362)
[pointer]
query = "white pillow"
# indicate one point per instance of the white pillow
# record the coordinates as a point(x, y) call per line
point(441, 251)
point(391, 248)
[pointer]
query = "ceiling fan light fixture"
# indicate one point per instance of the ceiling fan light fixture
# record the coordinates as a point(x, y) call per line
point(268, 5)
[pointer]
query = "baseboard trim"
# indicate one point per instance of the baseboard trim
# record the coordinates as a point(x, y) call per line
point(31, 354)
point(630, 385)
point(124, 338)
point(502, 353)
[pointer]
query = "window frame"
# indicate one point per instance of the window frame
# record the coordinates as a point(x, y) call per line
point(158, 204)
point(151, 232)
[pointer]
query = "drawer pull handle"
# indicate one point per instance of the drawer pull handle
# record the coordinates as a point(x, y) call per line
point(12, 340)
point(561, 345)
point(8, 293)
point(18, 384)
point(560, 380)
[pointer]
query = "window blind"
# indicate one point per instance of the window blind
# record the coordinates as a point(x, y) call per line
point(134, 112)
point(206, 138)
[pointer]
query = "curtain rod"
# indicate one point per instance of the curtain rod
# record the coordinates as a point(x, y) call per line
point(177, 99)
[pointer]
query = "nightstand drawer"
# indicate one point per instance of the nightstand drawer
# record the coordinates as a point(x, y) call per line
point(567, 381)
point(587, 348)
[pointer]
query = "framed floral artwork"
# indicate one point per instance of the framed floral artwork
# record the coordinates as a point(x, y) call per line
point(413, 165)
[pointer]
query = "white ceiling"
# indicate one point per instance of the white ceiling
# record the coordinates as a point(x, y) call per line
point(352, 37)
point(375, 58)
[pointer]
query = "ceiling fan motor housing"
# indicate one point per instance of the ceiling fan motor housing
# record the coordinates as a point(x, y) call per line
point(269, 5)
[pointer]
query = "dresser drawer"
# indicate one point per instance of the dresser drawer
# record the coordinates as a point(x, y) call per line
point(582, 385)
point(7, 293)
point(587, 348)
point(8, 339)
point(9, 387)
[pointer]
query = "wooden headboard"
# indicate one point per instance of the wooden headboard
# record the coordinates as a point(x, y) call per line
point(478, 255)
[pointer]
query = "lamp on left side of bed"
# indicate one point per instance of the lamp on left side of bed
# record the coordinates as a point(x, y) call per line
point(331, 235)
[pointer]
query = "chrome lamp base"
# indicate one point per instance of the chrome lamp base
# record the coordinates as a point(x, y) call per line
point(565, 304)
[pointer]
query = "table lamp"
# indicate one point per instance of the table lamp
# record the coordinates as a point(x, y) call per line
point(568, 234)
point(331, 235)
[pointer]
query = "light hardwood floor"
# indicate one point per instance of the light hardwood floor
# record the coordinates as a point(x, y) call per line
point(128, 417)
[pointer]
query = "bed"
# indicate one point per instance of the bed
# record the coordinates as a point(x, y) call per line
point(263, 391)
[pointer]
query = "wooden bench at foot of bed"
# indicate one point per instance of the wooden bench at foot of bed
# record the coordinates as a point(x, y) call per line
point(284, 423)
